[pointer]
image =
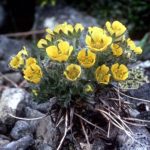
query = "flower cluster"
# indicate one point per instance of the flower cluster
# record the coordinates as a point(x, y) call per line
point(28, 65)
point(66, 61)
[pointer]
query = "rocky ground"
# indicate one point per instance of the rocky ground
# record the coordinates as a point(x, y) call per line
point(42, 134)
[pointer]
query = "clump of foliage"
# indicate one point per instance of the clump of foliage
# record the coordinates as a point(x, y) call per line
point(46, 2)
point(69, 69)
point(81, 68)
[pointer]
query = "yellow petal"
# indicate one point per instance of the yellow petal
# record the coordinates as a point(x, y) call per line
point(48, 37)
point(79, 27)
point(138, 50)
point(88, 40)
point(72, 72)
point(30, 61)
point(52, 52)
point(42, 43)
point(63, 46)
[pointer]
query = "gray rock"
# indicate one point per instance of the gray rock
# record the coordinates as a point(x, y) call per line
point(31, 113)
point(4, 66)
point(21, 129)
point(15, 76)
point(143, 92)
point(133, 112)
point(145, 115)
point(9, 101)
point(4, 140)
point(143, 64)
point(45, 107)
point(21, 144)
point(8, 48)
point(3, 128)
point(44, 147)
point(141, 142)
point(47, 131)
point(44, 128)
point(98, 145)
point(52, 16)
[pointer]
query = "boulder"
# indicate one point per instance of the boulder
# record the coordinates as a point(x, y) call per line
point(49, 17)
point(9, 101)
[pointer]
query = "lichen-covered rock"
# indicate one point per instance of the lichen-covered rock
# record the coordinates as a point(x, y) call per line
point(21, 129)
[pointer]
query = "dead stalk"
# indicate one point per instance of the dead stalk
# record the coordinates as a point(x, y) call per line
point(28, 119)
point(109, 124)
point(24, 34)
point(7, 79)
point(121, 125)
point(90, 123)
point(135, 98)
point(65, 132)
point(136, 119)
point(135, 124)
point(85, 134)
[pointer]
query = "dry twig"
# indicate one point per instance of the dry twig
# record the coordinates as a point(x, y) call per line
point(86, 136)
point(23, 34)
point(104, 132)
point(135, 98)
point(67, 128)
point(28, 119)
point(7, 79)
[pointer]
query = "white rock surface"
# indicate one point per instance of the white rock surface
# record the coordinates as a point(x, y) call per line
point(9, 101)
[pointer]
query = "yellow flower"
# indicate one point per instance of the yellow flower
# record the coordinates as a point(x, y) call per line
point(86, 58)
point(65, 28)
point(116, 28)
point(42, 43)
point(16, 62)
point(18, 59)
point(61, 52)
point(79, 27)
point(102, 75)
point(33, 73)
point(23, 51)
point(138, 50)
point(131, 44)
point(72, 72)
point(97, 40)
point(117, 50)
point(95, 29)
point(88, 88)
point(48, 37)
point(133, 47)
point(120, 72)
point(30, 61)
point(49, 31)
